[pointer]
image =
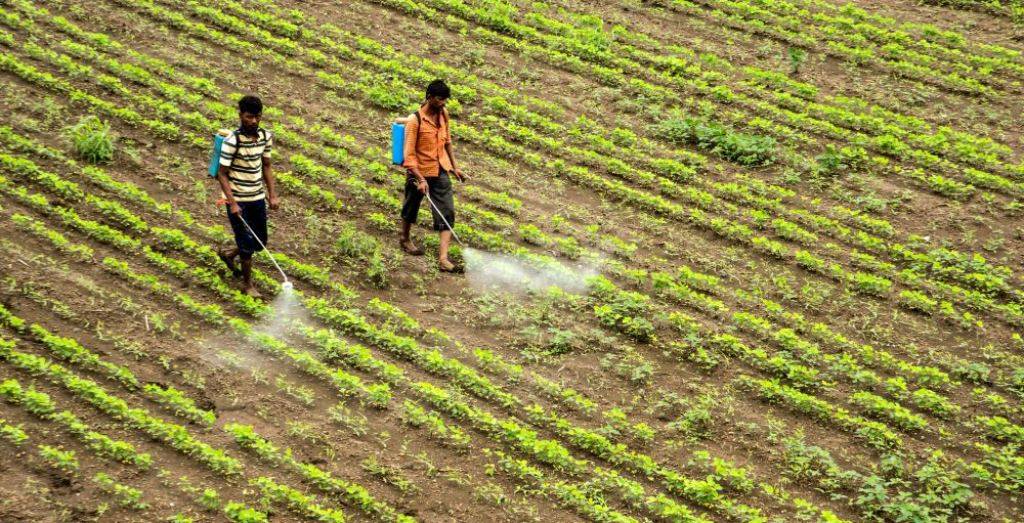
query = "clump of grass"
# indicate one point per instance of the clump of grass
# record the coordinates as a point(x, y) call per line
point(797, 57)
point(92, 139)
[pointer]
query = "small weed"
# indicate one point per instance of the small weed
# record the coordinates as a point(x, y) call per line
point(92, 139)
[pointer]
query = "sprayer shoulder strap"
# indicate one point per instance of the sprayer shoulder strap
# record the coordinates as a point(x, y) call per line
point(419, 122)
point(261, 136)
point(442, 117)
point(238, 145)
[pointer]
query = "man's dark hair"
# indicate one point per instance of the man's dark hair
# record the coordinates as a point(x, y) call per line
point(438, 89)
point(250, 104)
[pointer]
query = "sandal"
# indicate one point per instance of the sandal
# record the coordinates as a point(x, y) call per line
point(409, 248)
point(253, 292)
point(235, 271)
point(445, 266)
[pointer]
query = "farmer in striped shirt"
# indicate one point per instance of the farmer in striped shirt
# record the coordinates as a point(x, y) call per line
point(247, 182)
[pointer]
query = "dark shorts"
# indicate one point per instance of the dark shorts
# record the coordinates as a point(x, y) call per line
point(255, 214)
point(440, 189)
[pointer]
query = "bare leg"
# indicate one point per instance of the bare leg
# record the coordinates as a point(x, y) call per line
point(249, 288)
point(406, 242)
point(406, 229)
point(228, 257)
point(442, 252)
point(446, 240)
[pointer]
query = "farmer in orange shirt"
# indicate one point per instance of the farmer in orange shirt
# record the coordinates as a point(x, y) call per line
point(429, 161)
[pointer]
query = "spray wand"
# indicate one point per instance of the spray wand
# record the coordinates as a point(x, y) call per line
point(438, 211)
point(287, 285)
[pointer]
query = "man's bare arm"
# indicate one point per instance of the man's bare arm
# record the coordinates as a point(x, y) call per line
point(271, 183)
point(451, 156)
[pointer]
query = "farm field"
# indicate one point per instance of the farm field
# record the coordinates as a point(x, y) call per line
point(785, 238)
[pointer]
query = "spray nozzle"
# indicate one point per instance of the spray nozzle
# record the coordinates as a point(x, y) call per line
point(286, 286)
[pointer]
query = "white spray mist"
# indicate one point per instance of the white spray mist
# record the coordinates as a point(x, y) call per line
point(231, 354)
point(486, 271)
point(284, 311)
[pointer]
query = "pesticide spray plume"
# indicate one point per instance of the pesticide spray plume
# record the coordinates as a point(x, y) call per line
point(226, 353)
point(286, 307)
point(485, 270)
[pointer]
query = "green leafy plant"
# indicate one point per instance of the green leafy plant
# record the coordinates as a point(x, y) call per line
point(62, 460)
point(126, 496)
point(744, 149)
point(239, 513)
point(92, 139)
point(797, 57)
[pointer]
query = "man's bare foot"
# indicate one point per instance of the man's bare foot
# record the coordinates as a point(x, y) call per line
point(230, 262)
point(252, 291)
point(410, 248)
point(445, 266)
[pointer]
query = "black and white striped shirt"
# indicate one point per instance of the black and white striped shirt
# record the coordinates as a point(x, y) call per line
point(246, 175)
